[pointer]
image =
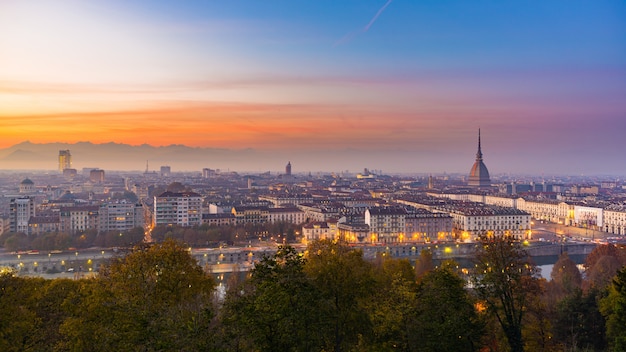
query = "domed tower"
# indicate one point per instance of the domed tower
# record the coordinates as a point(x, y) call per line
point(27, 186)
point(479, 176)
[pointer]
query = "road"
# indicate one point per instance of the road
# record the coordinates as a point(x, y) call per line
point(555, 232)
point(37, 263)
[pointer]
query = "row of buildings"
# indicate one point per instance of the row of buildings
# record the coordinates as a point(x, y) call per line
point(605, 217)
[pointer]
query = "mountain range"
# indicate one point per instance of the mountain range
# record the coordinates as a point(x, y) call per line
point(116, 156)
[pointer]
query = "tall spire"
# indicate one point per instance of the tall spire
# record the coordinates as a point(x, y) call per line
point(479, 154)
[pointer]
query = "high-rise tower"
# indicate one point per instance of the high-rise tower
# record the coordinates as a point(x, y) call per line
point(65, 160)
point(479, 175)
point(288, 169)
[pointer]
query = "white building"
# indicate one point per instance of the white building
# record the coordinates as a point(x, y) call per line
point(184, 209)
point(387, 224)
point(586, 216)
point(315, 231)
point(614, 219)
point(549, 210)
point(290, 215)
point(120, 216)
point(21, 209)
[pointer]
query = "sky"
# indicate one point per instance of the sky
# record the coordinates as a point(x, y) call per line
point(404, 85)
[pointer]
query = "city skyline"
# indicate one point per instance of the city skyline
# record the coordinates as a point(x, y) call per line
point(392, 85)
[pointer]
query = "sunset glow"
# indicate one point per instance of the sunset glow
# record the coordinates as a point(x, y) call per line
point(545, 82)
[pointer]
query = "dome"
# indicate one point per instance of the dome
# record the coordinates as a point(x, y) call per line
point(479, 175)
point(27, 181)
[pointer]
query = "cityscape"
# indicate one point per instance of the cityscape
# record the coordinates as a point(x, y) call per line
point(312, 176)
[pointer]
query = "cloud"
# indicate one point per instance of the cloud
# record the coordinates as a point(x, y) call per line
point(348, 37)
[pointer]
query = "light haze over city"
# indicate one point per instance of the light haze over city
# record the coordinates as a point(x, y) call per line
point(400, 85)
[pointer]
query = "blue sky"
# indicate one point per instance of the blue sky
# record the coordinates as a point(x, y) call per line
point(412, 80)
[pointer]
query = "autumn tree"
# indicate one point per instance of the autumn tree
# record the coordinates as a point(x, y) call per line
point(277, 309)
point(505, 280)
point(392, 305)
point(613, 308)
point(18, 319)
point(344, 280)
point(155, 298)
point(566, 275)
point(445, 318)
point(602, 264)
point(424, 263)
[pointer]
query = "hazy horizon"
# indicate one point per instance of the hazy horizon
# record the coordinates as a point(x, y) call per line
point(122, 157)
point(400, 86)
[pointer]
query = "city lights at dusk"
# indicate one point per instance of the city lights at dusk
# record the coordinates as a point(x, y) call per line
point(396, 85)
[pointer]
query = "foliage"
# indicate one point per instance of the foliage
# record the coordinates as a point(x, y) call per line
point(424, 263)
point(392, 305)
point(445, 319)
point(613, 308)
point(345, 282)
point(579, 323)
point(278, 310)
point(156, 298)
point(505, 280)
point(566, 275)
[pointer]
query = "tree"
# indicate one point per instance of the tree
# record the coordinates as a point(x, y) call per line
point(578, 323)
point(278, 309)
point(613, 308)
point(565, 274)
point(345, 280)
point(600, 274)
point(505, 279)
point(445, 318)
point(392, 305)
point(424, 263)
point(155, 298)
point(18, 320)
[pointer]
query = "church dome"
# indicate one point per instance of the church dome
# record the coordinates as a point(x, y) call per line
point(27, 181)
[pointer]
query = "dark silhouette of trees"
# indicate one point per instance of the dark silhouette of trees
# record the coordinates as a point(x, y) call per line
point(613, 308)
point(330, 298)
point(344, 280)
point(565, 275)
point(278, 309)
point(578, 323)
point(445, 318)
point(505, 280)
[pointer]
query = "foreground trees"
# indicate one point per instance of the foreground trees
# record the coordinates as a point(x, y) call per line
point(328, 299)
point(277, 309)
point(505, 280)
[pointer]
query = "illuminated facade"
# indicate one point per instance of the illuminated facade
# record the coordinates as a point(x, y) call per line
point(355, 233)
point(319, 230)
point(425, 226)
point(475, 220)
point(387, 224)
point(65, 160)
